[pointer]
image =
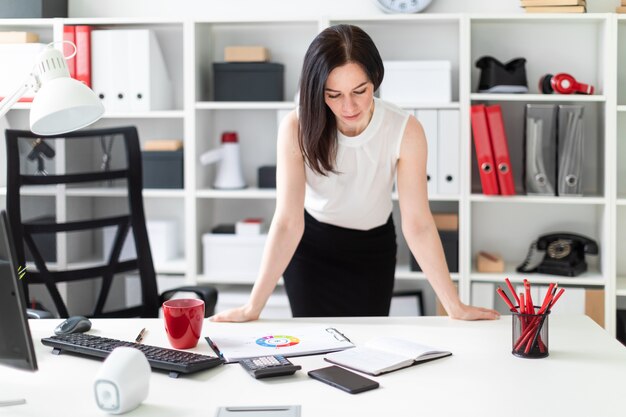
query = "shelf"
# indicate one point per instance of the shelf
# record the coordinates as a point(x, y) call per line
point(121, 192)
point(621, 287)
point(589, 278)
point(621, 108)
point(156, 114)
point(245, 105)
point(43, 190)
point(434, 197)
point(532, 199)
point(577, 98)
point(248, 193)
point(621, 201)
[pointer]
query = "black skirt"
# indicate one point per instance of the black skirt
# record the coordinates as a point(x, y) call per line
point(340, 272)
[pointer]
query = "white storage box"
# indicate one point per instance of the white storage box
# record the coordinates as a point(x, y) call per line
point(229, 258)
point(417, 82)
point(162, 237)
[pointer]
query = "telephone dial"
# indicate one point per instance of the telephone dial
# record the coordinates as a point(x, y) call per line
point(564, 254)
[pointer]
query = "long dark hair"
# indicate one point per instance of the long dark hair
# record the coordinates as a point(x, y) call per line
point(333, 47)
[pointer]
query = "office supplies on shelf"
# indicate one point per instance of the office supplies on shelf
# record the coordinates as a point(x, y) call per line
point(484, 152)
point(449, 132)
point(297, 341)
point(229, 174)
point(269, 366)
point(429, 121)
point(18, 37)
point(386, 354)
point(83, 54)
point(343, 379)
point(489, 262)
point(69, 34)
point(540, 149)
point(500, 147)
point(563, 83)
point(571, 150)
point(248, 81)
point(564, 254)
point(498, 77)
point(417, 81)
point(123, 381)
point(246, 54)
point(129, 72)
point(260, 411)
point(163, 145)
point(175, 362)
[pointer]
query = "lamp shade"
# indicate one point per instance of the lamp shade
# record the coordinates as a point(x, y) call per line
point(63, 105)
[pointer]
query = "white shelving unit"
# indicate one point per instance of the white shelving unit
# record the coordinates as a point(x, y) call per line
point(503, 224)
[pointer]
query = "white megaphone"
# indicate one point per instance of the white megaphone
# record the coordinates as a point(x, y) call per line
point(229, 173)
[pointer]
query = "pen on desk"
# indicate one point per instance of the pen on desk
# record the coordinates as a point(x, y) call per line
point(214, 347)
point(140, 335)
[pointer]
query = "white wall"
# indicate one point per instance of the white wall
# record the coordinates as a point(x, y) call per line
point(258, 9)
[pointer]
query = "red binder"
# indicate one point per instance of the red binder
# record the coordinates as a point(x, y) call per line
point(484, 154)
point(500, 150)
point(69, 34)
point(83, 54)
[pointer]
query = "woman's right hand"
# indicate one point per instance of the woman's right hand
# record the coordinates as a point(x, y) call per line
point(239, 314)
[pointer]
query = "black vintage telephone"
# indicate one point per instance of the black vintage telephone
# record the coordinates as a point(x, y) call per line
point(564, 254)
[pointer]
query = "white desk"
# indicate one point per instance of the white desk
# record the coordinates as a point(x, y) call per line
point(583, 376)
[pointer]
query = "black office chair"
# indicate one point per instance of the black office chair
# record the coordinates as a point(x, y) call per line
point(125, 142)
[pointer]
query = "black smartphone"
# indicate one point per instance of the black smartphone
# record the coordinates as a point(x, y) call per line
point(343, 379)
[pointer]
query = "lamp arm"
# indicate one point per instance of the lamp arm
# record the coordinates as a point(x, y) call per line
point(10, 100)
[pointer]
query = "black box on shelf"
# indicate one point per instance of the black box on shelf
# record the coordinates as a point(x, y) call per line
point(249, 81)
point(46, 243)
point(33, 8)
point(267, 176)
point(620, 331)
point(162, 169)
point(450, 242)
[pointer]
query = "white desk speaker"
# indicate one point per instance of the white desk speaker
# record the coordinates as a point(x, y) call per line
point(123, 381)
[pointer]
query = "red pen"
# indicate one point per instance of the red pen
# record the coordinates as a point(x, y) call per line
point(506, 299)
point(530, 308)
point(508, 284)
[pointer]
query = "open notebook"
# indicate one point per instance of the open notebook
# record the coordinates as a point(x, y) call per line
point(385, 354)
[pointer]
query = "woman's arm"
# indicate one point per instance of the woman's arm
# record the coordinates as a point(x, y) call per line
point(287, 224)
point(419, 227)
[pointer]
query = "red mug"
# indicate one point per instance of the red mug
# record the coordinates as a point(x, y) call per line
point(183, 321)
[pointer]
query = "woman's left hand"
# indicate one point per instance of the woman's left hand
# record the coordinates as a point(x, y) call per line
point(466, 312)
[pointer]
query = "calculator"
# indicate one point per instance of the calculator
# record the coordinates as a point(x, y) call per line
point(268, 366)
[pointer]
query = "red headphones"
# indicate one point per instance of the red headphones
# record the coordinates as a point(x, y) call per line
point(563, 83)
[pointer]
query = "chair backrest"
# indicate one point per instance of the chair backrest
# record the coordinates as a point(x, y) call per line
point(83, 156)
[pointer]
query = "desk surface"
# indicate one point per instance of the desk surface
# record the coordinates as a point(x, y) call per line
point(583, 376)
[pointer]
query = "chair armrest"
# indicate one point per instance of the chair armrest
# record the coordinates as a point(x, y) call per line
point(38, 314)
point(207, 293)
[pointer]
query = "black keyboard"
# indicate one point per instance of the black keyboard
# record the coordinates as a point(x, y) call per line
point(174, 361)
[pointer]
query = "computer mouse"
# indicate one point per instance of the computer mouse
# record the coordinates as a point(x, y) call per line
point(74, 324)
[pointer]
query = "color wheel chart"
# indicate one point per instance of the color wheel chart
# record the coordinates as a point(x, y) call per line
point(277, 341)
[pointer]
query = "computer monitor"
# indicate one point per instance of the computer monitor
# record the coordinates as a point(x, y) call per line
point(16, 343)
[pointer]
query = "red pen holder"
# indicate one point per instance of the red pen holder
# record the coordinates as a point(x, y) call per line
point(530, 334)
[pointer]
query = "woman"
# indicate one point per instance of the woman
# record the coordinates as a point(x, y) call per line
point(332, 237)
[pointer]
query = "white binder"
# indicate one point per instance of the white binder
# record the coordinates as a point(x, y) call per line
point(448, 152)
point(428, 119)
point(150, 84)
point(101, 66)
point(128, 71)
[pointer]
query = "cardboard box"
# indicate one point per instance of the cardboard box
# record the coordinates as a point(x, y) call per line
point(446, 221)
point(18, 37)
point(232, 258)
point(250, 81)
point(489, 262)
point(417, 82)
point(246, 54)
point(163, 145)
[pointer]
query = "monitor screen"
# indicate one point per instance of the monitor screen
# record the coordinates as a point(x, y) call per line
point(16, 344)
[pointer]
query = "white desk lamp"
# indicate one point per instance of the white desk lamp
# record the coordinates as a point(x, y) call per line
point(61, 103)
